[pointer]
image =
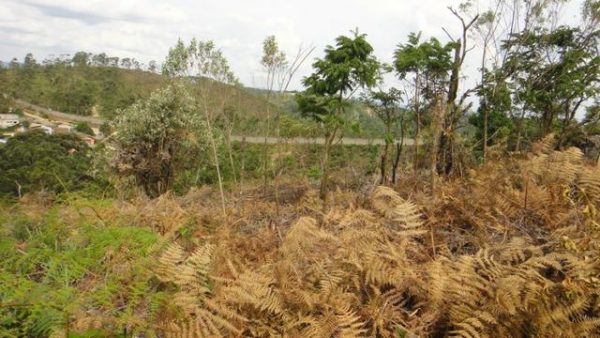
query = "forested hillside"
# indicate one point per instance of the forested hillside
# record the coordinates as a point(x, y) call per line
point(87, 84)
point(77, 87)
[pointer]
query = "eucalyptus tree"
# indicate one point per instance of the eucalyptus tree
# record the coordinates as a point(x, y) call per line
point(345, 68)
point(487, 27)
point(203, 64)
point(274, 61)
point(280, 73)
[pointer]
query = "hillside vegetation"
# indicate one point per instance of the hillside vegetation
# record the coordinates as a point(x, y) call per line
point(511, 250)
point(476, 216)
point(84, 88)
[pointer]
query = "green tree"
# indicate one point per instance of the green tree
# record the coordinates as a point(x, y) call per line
point(554, 73)
point(386, 105)
point(5, 103)
point(203, 63)
point(346, 67)
point(85, 128)
point(35, 161)
point(81, 59)
point(155, 137)
point(274, 61)
point(425, 66)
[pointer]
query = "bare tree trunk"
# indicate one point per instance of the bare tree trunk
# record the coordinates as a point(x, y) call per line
point(231, 162)
point(278, 162)
point(417, 124)
point(447, 136)
point(242, 165)
point(485, 132)
point(265, 149)
point(382, 180)
point(417, 136)
point(453, 111)
point(329, 138)
point(484, 104)
point(438, 117)
point(215, 157)
point(399, 149)
point(384, 156)
point(520, 131)
point(18, 189)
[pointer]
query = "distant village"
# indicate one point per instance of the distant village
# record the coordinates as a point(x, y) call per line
point(12, 124)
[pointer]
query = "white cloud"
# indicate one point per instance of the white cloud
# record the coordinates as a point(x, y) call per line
point(145, 29)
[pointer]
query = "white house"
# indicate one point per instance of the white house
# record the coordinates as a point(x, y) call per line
point(8, 120)
point(47, 129)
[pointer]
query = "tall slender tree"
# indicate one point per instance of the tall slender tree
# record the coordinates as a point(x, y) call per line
point(425, 66)
point(273, 60)
point(345, 68)
point(201, 62)
point(386, 105)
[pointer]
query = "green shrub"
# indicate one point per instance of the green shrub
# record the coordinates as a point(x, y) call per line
point(85, 128)
point(35, 161)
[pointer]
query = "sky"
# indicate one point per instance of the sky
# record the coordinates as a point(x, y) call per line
point(145, 29)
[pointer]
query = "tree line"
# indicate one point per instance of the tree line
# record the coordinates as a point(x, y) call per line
point(536, 76)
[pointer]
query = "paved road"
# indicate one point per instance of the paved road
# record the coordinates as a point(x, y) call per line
point(318, 140)
point(63, 117)
point(97, 122)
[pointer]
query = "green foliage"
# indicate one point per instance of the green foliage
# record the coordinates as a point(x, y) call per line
point(35, 161)
point(79, 85)
point(346, 67)
point(386, 105)
point(85, 128)
point(554, 72)
point(6, 103)
point(199, 59)
point(314, 172)
point(429, 57)
point(158, 136)
point(427, 65)
point(43, 282)
point(273, 60)
point(495, 100)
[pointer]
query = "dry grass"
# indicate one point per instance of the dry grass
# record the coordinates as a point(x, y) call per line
point(509, 251)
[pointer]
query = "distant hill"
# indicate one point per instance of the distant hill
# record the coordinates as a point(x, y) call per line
point(101, 90)
point(370, 125)
point(80, 90)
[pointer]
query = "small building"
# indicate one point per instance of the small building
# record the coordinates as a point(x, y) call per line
point(8, 120)
point(49, 130)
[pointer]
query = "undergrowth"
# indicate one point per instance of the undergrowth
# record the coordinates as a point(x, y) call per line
point(510, 250)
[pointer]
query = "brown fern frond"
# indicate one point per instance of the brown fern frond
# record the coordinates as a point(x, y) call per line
point(342, 323)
